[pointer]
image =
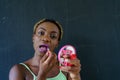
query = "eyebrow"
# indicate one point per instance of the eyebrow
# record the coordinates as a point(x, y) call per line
point(45, 30)
point(54, 32)
point(42, 28)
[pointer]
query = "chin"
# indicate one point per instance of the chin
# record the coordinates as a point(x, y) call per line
point(41, 54)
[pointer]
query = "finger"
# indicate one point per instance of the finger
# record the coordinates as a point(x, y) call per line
point(67, 56)
point(51, 62)
point(50, 57)
point(70, 69)
point(75, 62)
point(44, 57)
point(67, 68)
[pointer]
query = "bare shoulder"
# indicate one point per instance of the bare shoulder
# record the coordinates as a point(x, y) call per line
point(16, 72)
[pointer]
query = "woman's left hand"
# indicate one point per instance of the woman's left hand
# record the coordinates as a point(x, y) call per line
point(74, 70)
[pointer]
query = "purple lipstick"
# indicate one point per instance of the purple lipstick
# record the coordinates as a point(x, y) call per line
point(43, 48)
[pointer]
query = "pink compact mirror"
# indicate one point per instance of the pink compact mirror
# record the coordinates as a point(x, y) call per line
point(68, 50)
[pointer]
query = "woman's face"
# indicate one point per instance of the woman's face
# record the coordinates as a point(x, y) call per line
point(47, 33)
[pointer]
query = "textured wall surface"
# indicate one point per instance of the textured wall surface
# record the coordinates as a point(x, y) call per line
point(92, 26)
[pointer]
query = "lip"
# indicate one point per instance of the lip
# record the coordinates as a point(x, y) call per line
point(44, 49)
point(44, 45)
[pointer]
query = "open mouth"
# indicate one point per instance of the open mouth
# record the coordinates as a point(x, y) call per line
point(43, 48)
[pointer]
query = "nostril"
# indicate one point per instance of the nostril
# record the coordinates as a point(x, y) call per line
point(46, 39)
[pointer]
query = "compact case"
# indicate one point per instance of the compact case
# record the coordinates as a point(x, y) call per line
point(66, 50)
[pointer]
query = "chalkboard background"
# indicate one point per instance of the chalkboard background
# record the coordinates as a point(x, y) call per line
point(92, 26)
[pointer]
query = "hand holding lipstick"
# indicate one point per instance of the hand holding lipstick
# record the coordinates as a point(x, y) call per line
point(47, 62)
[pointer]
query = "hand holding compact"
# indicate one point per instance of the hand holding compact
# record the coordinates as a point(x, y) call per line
point(65, 53)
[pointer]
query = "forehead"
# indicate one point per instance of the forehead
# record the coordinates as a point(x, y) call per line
point(48, 26)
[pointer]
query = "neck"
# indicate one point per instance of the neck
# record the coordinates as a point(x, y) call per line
point(36, 60)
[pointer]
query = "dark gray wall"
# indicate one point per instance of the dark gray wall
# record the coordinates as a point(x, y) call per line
point(92, 26)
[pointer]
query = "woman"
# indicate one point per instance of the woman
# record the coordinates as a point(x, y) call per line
point(44, 65)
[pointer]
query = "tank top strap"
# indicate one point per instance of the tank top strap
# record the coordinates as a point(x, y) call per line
point(34, 76)
point(60, 76)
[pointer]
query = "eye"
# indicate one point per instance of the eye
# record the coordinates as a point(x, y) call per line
point(40, 33)
point(53, 36)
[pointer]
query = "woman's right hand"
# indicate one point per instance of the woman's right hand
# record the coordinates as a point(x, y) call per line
point(47, 62)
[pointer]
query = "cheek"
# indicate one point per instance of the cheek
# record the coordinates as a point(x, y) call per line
point(35, 39)
point(35, 42)
point(55, 44)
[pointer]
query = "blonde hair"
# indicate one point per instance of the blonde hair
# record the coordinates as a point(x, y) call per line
point(52, 21)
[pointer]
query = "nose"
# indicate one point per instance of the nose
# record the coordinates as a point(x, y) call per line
point(46, 38)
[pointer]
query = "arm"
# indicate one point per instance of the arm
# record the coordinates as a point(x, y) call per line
point(78, 77)
point(74, 71)
point(16, 73)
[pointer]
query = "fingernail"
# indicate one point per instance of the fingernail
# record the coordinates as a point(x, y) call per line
point(47, 53)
